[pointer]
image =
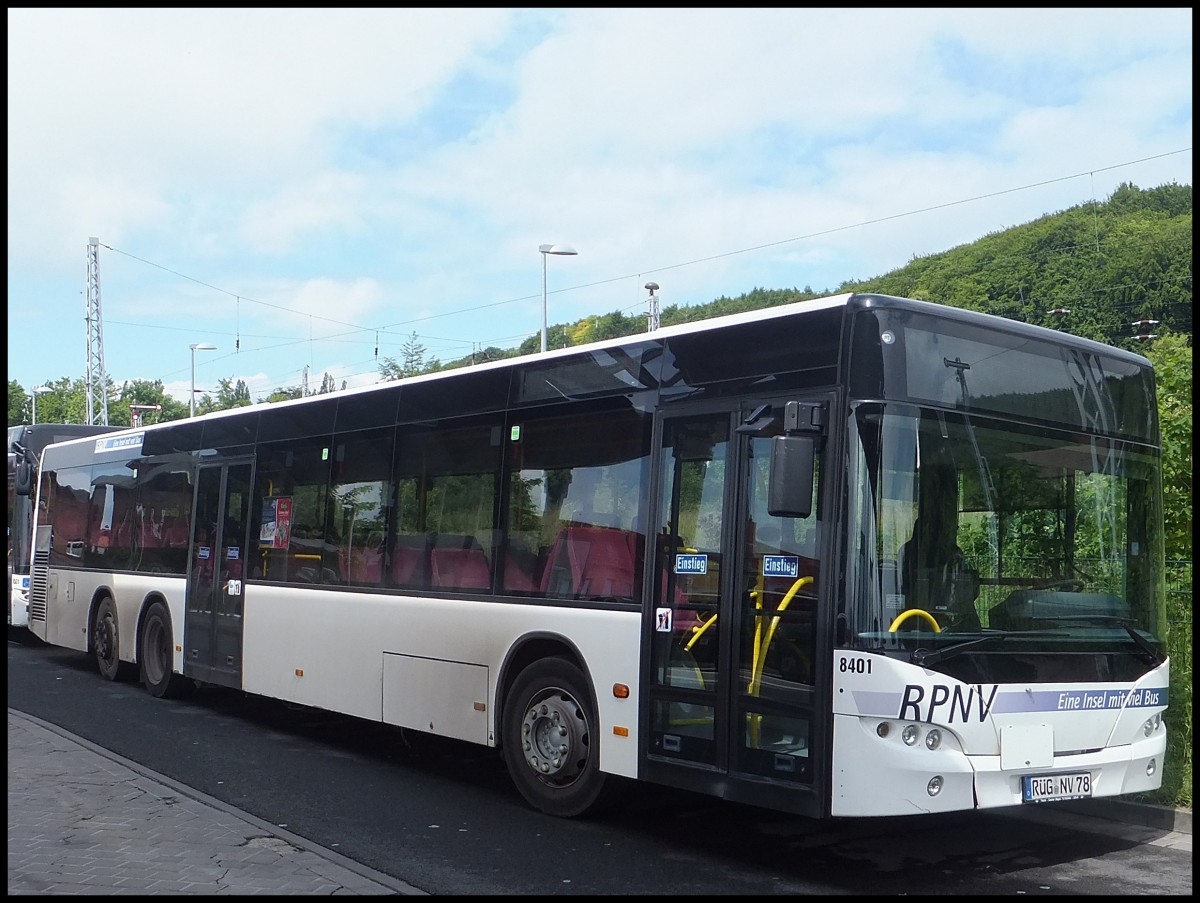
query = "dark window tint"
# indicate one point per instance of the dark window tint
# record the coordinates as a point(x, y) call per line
point(293, 504)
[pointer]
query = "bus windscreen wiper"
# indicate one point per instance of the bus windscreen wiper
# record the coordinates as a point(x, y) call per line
point(1152, 655)
point(1142, 643)
point(924, 656)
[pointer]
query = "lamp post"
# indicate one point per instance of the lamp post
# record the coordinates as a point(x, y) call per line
point(199, 346)
point(547, 250)
point(38, 390)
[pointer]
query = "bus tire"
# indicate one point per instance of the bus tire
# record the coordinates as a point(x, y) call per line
point(106, 642)
point(549, 739)
point(157, 656)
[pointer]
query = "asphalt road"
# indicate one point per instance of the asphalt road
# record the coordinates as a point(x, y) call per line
point(443, 816)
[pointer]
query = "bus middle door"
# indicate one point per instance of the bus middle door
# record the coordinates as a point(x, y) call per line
point(216, 577)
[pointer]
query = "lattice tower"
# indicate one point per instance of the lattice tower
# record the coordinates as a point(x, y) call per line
point(97, 383)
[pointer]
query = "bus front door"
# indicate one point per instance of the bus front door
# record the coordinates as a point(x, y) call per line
point(216, 585)
point(732, 633)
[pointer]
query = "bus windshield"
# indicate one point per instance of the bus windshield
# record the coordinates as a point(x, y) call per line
point(1002, 553)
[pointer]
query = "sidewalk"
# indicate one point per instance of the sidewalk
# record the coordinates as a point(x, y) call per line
point(84, 820)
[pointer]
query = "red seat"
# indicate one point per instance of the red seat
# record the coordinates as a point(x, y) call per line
point(408, 566)
point(460, 569)
point(361, 566)
point(599, 562)
point(516, 578)
point(372, 566)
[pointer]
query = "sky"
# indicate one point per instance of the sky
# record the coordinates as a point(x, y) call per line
point(308, 190)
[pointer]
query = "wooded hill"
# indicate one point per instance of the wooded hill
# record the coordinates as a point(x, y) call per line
point(1109, 264)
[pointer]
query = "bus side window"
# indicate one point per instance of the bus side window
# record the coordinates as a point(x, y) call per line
point(576, 481)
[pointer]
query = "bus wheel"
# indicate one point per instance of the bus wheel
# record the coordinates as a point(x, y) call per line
point(549, 739)
point(158, 656)
point(106, 642)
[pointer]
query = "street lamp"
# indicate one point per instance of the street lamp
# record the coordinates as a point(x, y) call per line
point(547, 250)
point(38, 390)
point(199, 346)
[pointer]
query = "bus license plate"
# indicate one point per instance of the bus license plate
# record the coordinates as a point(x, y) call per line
point(1042, 788)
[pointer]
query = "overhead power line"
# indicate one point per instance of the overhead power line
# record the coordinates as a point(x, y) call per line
point(355, 329)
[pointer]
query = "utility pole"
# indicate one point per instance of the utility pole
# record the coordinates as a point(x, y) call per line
point(97, 383)
point(652, 317)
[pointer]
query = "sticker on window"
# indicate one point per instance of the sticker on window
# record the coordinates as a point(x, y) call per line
point(781, 566)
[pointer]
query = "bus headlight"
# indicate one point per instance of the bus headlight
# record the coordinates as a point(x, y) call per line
point(911, 734)
point(933, 739)
point(1151, 725)
point(934, 787)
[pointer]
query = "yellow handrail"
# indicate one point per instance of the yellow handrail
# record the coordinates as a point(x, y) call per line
point(760, 652)
point(697, 632)
point(920, 613)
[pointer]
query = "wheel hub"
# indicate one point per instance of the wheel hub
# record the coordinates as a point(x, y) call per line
point(554, 739)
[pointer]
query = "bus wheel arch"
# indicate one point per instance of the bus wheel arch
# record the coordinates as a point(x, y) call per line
point(549, 736)
point(156, 652)
point(523, 653)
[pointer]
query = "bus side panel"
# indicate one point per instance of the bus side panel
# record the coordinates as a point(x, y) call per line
point(328, 650)
point(429, 694)
point(69, 598)
point(68, 601)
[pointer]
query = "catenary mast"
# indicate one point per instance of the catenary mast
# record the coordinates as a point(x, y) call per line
point(97, 384)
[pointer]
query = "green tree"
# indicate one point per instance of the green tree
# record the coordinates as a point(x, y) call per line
point(18, 404)
point(285, 393)
point(412, 361)
point(230, 394)
point(1172, 359)
point(144, 392)
point(413, 356)
point(66, 402)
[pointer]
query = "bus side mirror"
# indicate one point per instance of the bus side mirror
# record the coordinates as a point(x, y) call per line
point(23, 479)
point(791, 484)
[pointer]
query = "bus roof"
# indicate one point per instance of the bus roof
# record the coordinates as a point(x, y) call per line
point(848, 300)
point(35, 437)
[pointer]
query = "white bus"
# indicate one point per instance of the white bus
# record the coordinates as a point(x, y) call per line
point(855, 556)
point(25, 444)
